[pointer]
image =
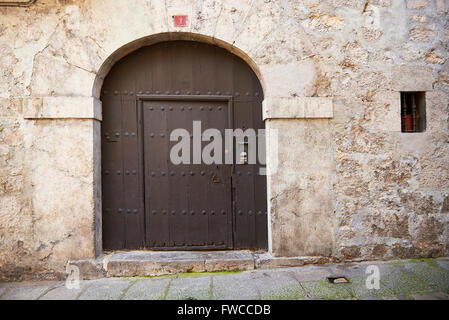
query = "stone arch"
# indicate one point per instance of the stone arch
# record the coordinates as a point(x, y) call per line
point(167, 36)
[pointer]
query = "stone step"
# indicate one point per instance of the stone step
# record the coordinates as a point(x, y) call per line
point(155, 263)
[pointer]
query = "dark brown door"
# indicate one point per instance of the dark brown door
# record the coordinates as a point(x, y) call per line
point(149, 202)
point(187, 205)
point(122, 174)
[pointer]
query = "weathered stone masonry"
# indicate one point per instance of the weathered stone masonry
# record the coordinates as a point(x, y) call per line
point(349, 183)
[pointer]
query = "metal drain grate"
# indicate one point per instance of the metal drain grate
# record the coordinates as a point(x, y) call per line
point(337, 280)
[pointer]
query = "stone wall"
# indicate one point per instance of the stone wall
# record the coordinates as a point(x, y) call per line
point(348, 183)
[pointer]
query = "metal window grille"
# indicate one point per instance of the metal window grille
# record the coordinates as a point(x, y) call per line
point(413, 111)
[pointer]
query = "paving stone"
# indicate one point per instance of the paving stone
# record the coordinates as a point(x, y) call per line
point(2, 290)
point(190, 288)
point(237, 286)
point(423, 297)
point(148, 289)
point(399, 280)
point(443, 263)
point(369, 298)
point(357, 276)
point(354, 272)
point(105, 289)
point(325, 290)
point(26, 290)
point(442, 295)
point(310, 273)
point(411, 279)
point(358, 288)
point(392, 298)
point(278, 286)
point(61, 292)
point(431, 273)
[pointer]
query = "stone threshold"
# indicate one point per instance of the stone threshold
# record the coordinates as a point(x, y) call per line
point(156, 263)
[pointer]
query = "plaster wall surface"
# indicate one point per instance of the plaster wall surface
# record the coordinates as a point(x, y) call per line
point(347, 184)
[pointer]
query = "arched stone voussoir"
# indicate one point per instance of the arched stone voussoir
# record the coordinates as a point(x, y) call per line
point(131, 46)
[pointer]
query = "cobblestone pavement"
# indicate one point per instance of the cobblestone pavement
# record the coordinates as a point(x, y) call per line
point(420, 279)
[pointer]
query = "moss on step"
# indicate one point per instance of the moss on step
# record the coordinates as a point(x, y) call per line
point(187, 274)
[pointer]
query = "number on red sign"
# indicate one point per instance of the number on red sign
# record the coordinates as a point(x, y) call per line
point(180, 21)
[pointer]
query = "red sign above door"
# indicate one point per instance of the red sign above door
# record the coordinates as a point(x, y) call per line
point(180, 20)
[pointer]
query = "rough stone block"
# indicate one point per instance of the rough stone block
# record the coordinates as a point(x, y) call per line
point(436, 105)
point(117, 267)
point(442, 6)
point(412, 78)
point(55, 76)
point(89, 268)
point(266, 261)
point(299, 192)
point(158, 263)
point(237, 260)
point(10, 108)
point(297, 108)
point(416, 4)
point(283, 108)
point(293, 79)
point(149, 263)
point(318, 108)
point(62, 107)
point(385, 114)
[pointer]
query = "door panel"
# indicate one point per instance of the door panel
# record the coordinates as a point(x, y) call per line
point(187, 204)
point(123, 208)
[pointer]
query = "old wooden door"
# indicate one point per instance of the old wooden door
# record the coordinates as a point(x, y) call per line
point(150, 202)
point(188, 205)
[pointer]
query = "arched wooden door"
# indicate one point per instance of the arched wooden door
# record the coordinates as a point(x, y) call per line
point(149, 202)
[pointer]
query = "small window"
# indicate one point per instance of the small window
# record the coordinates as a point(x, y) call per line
point(413, 111)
